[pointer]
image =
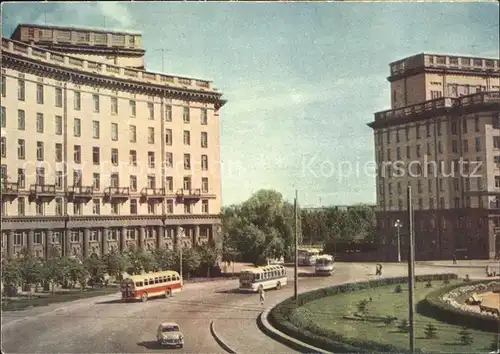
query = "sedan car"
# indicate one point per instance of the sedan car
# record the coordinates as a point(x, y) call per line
point(169, 334)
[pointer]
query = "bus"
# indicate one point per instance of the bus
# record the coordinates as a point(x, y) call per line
point(153, 284)
point(307, 256)
point(324, 265)
point(267, 277)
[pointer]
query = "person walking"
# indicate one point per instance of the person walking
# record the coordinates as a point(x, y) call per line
point(262, 295)
point(454, 258)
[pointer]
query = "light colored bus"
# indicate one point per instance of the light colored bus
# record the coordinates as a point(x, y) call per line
point(268, 277)
point(325, 265)
point(144, 286)
point(307, 256)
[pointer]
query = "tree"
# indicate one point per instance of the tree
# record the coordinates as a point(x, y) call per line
point(430, 331)
point(116, 263)
point(10, 271)
point(30, 270)
point(96, 269)
point(208, 257)
point(165, 259)
point(191, 261)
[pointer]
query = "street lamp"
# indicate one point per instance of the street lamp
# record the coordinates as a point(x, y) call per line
point(180, 244)
point(398, 224)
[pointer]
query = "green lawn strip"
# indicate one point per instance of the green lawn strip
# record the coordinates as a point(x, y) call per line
point(328, 314)
point(24, 302)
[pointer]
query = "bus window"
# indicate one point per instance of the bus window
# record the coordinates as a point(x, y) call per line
point(169, 278)
point(157, 280)
point(138, 284)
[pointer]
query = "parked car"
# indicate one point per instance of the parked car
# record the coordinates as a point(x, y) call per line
point(169, 334)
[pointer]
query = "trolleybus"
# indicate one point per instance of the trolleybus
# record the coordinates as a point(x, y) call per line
point(268, 277)
point(144, 286)
point(324, 265)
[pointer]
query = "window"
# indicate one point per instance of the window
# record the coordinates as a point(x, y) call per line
point(188, 208)
point(3, 146)
point(132, 135)
point(114, 157)
point(4, 88)
point(58, 97)
point(114, 131)
point(187, 138)
point(151, 135)
point(96, 181)
point(74, 236)
point(95, 129)
point(151, 110)
point(21, 90)
point(133, 157)
point(94, 236)
point(39, 122)
point(3, 173)
point(77, 208)
point(59, 207)
point(187, 161)
point(77, 178)
point(115, 209)
point(465, 145)
point(3, 117)
point(497, 181)
point(169, 184)
point(186, 183)
point(39, 151)
point(96, 206)
point(496, 142)
point(39, 93)
point(170, 206)
point(151, 208)
point(77, 127)
point(168, 113)
point(436, 94)
point(454, 146)
point(21, 119)
point(151, 159)
point(185, 115)
point(204, 185)
point(204, 206)
point(77, 153)
point(21, 149)
point(204, 140)
point(168, 136)
point(18, 238)
point(59, 152)
point(96, 158)
point(204, 162)
point(464, 126)
point(21, 206)
point(133, 183)
point(132, 108)
point(114, 105)
point(59, 125)
point(169, 159)
point(39, 208)
point(133, 206)
point(77, 102)
point(417, 129)
point(95, 100)
point(21, 178)
point(203, 116)
point(478, 144)
point(115, 180)
point(59, 179)
point(151, 181)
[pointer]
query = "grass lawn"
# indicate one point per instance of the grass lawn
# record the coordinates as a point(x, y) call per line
point(24, 302)
point(329, 313)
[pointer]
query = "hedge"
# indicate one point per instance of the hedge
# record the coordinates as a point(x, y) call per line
point(433, 306)
point(309, 332)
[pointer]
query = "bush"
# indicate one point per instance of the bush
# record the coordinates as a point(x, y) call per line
point(404, 326)
point(432, 306)
point(430, 331)
point(389, 320)
point(398, 289)
point(465, 337)
point(309, 332)
point(429, 284)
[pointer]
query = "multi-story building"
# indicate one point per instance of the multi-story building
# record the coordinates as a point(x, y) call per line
point(100, 155)
point(442, 138)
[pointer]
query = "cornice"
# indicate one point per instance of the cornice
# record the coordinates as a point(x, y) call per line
point(444, 71)
point(77, 218)
point(74, 48)
point(76, 76)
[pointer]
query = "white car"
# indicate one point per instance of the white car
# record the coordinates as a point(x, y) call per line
point(169, 334)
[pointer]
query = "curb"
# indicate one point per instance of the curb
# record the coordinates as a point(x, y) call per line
point(219, 340)
point(452, 266)
point(281, 337)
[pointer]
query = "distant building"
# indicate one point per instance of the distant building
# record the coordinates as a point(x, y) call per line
point(443, 128)
point(100, 155)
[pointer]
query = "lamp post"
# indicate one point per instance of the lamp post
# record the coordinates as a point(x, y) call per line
point(398, 224)
point(180, 245)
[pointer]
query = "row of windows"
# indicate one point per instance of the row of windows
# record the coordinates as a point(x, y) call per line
point(158, 280)
point(456, 203)
point(455, 125)
point(459, 222)
point(116, 208)
point(96, 180)
point(431, 183)
point(96, 131)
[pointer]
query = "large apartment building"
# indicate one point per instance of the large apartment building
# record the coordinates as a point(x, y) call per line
point(442, 138)
point(99, 154)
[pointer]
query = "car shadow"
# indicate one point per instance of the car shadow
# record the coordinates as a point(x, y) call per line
point(152, 345)
point(306, 275)
point(116, 301)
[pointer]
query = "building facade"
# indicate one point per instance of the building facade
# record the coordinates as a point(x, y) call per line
point(100, 155)
point(442, 138)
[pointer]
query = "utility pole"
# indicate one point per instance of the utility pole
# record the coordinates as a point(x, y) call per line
point(162, 50)
point(296, 265)
point(398, 225)
point(411, 272)
point(179, 244)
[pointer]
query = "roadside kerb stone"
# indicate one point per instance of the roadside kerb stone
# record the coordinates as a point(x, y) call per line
point(220, 340)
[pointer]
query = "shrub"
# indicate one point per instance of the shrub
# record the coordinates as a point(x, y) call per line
point(446, 281)
point(429, 284)
point(495, 343)
point(398, 289)
point(465, 337)
point(389, 320)
point(362, 306)
point(430, 331)
point(404, 326)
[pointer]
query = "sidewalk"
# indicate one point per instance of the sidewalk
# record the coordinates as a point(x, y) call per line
point(480, 263)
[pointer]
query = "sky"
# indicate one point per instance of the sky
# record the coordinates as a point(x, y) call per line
point(301, 79)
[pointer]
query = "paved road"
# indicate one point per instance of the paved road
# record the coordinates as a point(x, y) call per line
point(106, 325)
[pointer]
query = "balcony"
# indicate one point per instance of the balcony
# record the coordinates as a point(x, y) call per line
point(189, 194)
point(43, 191)
point(10, 190)
point(480, 98)
point(111, 193)
point(80, 192)
point(153, 193)
point(415, 109)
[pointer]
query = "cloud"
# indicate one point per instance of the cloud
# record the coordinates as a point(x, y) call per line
point(116, 12)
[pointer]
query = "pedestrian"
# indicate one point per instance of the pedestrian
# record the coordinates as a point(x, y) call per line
point(262, 295)
point(454, 258)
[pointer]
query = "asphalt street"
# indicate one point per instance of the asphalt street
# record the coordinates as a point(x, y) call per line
point(104, 324)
